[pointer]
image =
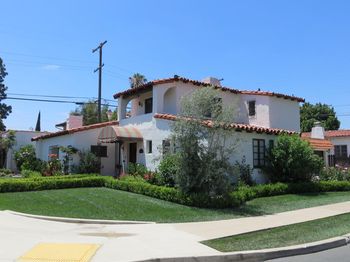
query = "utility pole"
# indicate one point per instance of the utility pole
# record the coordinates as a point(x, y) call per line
point(99, 69)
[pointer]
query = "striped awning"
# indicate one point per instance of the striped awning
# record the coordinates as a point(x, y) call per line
point(111, 134)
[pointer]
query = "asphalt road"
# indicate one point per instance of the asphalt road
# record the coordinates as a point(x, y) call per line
point(340, 254)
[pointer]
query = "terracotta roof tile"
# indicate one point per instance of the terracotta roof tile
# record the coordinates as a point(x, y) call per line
point(149, 85)
point(331, 133)
point(75, 130)
point(319, 144)
point(235, 126)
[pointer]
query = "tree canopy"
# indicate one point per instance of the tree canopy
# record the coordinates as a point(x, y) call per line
point(89, 111)
point(309, 114)
point(5, 110)
point(137, 80)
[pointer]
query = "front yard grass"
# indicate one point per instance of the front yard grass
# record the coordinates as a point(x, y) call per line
point(104, 203)
point(295, 234)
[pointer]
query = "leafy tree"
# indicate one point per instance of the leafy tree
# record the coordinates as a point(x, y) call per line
point(137, 80)
point(292, 160)
point(5, 110)
point(204, 152)
point(7, 141)
point(323, 113)
point(89, 111)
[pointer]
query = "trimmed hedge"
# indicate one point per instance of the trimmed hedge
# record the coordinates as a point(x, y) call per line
point(235, 199)
point(168, 194)
point(35, 184)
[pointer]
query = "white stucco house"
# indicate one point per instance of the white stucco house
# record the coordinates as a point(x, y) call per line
point(339, 151)
point(22, 138)
point(142, 134)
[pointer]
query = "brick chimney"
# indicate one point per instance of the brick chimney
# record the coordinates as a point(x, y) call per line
point(74, 121)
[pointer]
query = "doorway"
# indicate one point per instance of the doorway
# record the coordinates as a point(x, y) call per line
point(132, 152)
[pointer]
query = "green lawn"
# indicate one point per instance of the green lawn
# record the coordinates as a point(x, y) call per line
point(285, 236)
point(103, 203)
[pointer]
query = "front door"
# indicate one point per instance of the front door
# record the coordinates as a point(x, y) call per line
point(132, 152)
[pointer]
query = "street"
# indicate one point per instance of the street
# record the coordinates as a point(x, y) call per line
point(339, 254)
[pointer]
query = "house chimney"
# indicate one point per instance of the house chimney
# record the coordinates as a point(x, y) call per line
point(212, 80)
point(318, 131)
point(74, 121)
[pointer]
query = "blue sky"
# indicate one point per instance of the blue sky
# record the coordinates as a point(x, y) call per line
point(293, 47)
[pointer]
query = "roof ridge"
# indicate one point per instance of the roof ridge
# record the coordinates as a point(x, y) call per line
point(176, 78)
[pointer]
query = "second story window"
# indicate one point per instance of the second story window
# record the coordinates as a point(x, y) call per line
point(251, 108)
point(148, 105)
point(215, 108)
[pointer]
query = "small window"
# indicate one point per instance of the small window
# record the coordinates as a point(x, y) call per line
point(251, 108)
point(149, 146)
point(99, 151)
point(215, 108)
point(148, 105)
point(54, 152)
point(271, 144)
point(258, 153)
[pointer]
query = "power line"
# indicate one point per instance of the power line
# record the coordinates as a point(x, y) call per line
point(52, 101)
point(58, 96)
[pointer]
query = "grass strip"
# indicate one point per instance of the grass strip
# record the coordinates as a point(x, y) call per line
point(295, 234)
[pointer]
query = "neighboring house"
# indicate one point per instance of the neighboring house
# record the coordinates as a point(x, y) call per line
point(142, 136)
point(340, 149)
point(320, 143)
point(22, 138)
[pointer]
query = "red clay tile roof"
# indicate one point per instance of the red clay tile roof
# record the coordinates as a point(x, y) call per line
point(149, 85)
point(330, 133)
point(319, 144)
point(75, 130)
point(237, 127)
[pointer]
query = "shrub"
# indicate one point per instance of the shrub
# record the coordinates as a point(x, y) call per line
point(5, 172)
point(88, 163)
point(168, 169)
point(43, 183)
point(25, 154)
point(334, 174)
point(292, 160)
point(34, 165)
point(244, 172)
point(136, 169)
point(30, 173)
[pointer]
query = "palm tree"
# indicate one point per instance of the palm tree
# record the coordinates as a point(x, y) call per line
point(137, 80)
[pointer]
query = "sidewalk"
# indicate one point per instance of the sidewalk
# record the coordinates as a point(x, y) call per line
point(223, 228)
point(129, 242)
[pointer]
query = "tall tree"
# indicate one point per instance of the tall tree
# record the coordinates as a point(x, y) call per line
point(38, 124)
point(5, 110)
point(89, 112)
point(309, 114)
point(137, 80)
point(204, 152)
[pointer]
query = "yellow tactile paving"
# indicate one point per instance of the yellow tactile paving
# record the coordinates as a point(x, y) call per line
point(60, 252)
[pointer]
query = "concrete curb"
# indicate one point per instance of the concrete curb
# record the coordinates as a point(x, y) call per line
point(79, 220)
point(264, 254)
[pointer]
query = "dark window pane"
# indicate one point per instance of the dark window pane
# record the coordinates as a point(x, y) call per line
point(99, 151)
point(251, 108)
point(148, 105)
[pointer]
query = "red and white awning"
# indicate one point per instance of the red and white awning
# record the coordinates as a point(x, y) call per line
point(111, 134)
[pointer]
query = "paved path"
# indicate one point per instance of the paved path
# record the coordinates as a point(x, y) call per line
point(137, 242)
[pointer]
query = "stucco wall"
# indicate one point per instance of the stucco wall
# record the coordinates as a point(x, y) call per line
point(22, 138)
point(284, 114)
point(82, 141)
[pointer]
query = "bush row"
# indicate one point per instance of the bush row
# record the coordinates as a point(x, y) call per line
point(244, 194)
point(35, 184)
point(236, 198)
point(168, 193)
